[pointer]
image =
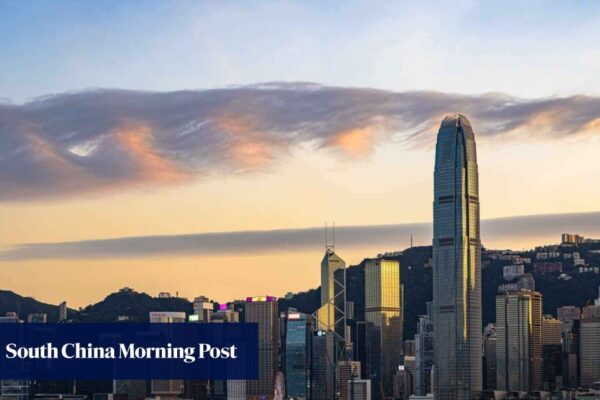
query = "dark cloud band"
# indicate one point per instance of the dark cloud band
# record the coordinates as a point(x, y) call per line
point(385, 237)
point(80, 142)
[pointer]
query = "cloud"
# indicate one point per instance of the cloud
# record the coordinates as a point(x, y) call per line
point(386, 237)
point(82, 142)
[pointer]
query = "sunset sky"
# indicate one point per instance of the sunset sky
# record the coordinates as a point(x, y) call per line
point(200, 147)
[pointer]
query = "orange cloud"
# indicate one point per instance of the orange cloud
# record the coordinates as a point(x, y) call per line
point(358, 142)
point(137, 141)
point(247, 146)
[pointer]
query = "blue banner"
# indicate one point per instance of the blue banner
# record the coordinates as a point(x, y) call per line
point(129, 351)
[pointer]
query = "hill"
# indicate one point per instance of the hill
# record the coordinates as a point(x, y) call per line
point(10, 301)
point(137, 306)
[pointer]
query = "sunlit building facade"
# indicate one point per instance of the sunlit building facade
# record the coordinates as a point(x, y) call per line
point(330, 320)
point(383, 309)
point(456, 263)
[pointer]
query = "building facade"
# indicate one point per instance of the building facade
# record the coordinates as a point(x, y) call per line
point(519, 341)
point(589, 351)
point(297, 355)
point(456, 263)
point(263, 311)
point(424, 348)
point(383, 309)
point(330, 319)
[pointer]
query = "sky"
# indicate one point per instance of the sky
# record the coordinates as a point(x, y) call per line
point(197, 147)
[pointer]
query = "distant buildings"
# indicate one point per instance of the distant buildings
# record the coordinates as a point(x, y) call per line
point(456, 263)
point(359, 389)
point(347, 372)
point(62, 311)
point(489, 357)
point(568, 238)
point(545, 255)
point(38, 318)
point(551, 352)
point(551, 331)
point(511, 272)
point(167, 317)
point(424, 349)
point(570, 344)
point(203, 308)
point(548, 267)
point(568, 313)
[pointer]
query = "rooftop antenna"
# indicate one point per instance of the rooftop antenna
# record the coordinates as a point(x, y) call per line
point(411, 240)
point(328, 246)
point(333, 234)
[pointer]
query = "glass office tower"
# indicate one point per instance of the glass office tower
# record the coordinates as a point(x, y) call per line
point(297, 353)
point(383, 309)
point(456, 263)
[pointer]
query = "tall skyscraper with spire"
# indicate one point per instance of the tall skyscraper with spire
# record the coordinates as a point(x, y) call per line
point(330, 321)
point(456, 263)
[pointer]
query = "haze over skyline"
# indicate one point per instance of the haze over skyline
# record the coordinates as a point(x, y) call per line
point(310, 115)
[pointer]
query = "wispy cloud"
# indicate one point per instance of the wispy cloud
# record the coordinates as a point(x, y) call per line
point(80, 142)
point(252, 242)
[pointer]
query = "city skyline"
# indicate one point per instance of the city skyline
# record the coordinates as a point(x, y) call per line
point(208, 155)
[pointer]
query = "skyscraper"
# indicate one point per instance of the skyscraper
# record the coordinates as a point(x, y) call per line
point(263, 311)
point(383, 309)
point(589, 350)
point(297, 354)
point(519, 341)
point(330, 320)
point(456, 263)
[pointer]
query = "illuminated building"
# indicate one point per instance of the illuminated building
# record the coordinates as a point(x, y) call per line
point(383, 309)
point(456, 263)
point(330, 320)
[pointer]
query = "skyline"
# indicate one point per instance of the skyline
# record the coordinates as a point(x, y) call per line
point(159, 158)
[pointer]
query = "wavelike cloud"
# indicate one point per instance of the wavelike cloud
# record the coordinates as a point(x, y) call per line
point(386, 237)
point(105, 139)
